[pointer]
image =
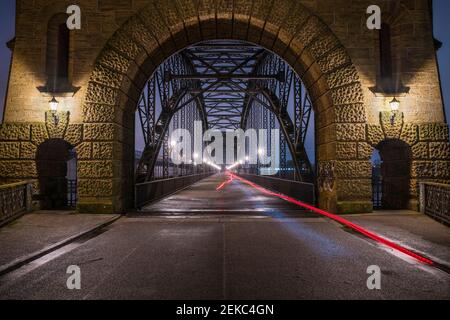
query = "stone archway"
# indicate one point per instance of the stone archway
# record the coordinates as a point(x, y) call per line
point(161, 29)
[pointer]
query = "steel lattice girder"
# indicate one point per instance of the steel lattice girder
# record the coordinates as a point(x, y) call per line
point(225, 79)
point(224, 69)
point(170, 95)
point(275, 96)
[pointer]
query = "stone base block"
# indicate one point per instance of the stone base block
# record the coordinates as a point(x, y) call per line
point(100, 207)
point(351, 207)
point(414, 205)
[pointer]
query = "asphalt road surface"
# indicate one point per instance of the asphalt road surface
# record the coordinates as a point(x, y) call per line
point(231, 244)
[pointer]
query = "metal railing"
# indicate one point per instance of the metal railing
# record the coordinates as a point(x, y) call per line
point(377, 191)
point(72, 193)
point(149, 192)
point(15, 199)
point(435, 201)
point(304, 192)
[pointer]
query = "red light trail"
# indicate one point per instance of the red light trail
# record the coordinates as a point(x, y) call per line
point(223, 185)
point(338, 219)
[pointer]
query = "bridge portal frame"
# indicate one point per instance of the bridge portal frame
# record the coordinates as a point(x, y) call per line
point(119, 59)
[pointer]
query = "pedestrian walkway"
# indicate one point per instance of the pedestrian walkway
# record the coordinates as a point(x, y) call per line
point(36, 233)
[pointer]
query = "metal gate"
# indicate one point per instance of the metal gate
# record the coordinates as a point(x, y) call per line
point(377, 187)
point(72, 196)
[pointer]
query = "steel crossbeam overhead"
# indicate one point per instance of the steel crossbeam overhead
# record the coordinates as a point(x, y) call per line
point(223, 69)
point(279, 77)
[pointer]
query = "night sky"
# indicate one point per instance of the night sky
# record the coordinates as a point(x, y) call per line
point(442, 32)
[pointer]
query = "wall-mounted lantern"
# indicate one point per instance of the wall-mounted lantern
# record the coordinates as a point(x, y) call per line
point(395, 107)
point(54, 110)
point(54, 105)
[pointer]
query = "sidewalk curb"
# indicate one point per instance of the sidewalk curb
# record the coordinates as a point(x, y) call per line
point(20, 262)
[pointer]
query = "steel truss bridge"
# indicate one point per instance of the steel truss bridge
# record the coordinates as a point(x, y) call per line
point(227, 85)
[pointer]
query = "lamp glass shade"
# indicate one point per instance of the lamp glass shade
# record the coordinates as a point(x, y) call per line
point(395, 104)
point(53, 105)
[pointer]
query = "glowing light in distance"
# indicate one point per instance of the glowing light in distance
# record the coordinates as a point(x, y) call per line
point(215, 166)
point(235, 165)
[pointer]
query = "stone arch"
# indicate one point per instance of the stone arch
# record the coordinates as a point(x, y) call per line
point(429, 148)
point(285, 27)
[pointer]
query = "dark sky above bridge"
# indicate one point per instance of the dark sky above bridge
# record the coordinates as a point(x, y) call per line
point(442, 32)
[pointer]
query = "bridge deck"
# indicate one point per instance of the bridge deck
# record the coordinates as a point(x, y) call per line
point(235, 198)
point(242, 255)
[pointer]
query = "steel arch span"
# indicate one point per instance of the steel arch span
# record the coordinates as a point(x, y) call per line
point(224, 80)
